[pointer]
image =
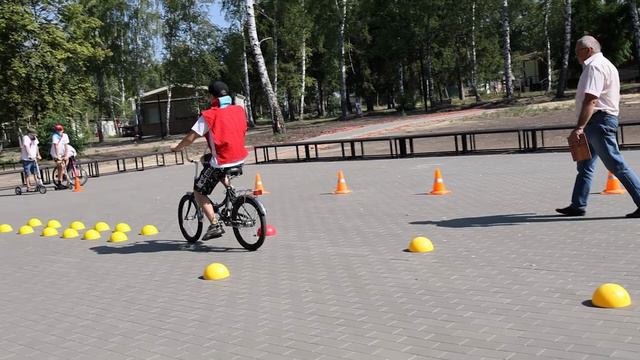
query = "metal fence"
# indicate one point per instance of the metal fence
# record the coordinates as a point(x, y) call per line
point(550, 138)
point(12, 174)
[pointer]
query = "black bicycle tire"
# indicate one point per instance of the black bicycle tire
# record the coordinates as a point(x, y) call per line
point(54, 178)
point(244, 200)
point(190, 238)
point(83, 175)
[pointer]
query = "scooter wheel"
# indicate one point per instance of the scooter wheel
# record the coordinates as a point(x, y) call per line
point(18, 190)
point(42, 189)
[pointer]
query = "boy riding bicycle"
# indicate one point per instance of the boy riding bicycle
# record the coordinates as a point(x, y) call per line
point(224, 126)
point(59, 151)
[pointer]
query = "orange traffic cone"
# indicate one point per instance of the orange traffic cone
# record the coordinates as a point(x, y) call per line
point(438, 184)
point(613, 186)
point(341, 188)
point(76, 186)
point(259, 189)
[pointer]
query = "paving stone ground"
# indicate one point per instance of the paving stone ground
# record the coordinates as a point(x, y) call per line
point(507, 280)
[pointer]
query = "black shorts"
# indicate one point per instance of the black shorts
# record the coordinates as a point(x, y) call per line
point(208, 179)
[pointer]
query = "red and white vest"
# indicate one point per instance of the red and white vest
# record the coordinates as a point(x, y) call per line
point(228, 127)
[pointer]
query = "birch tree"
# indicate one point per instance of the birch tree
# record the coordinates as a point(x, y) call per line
point(506, 49)
point(303, 76)
point(341, 6)
point(547, 11)
point(566, 49)
point(473, 55)
point(276, 113)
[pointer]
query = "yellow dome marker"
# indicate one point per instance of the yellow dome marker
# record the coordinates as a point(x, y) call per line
point(49, 231)
point(4, 228)
point(102, 226)
point(215, 271)
point(420, 244)
point(54, 224)
point(610, 296)
point(118, 236)
point(123, 227)
point(33, 222)
point(148, 230)
point(25, 229)
point(91, 234)
point(77, 225)
point(70, 233)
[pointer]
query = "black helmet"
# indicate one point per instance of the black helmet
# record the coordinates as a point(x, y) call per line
point(218, 89)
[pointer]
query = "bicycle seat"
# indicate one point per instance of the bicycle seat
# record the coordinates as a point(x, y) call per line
point(233, 171)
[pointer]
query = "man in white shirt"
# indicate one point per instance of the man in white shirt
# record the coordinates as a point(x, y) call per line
point(597, 108)
point(29, 153)
point(59, 151)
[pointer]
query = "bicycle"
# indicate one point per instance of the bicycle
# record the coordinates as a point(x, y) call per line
point(239, 209)
point(72, 168)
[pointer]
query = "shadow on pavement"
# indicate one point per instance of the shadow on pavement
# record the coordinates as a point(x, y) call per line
point(507, 219)
point(161, 245)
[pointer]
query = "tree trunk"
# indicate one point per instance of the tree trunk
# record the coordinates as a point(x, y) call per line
point(167, 122)
point(304, 69)
point(401, 88)
point(506, 49)
point(423, 81)
point(635, 23)
point(123, 100)
point(101, 92)
point(474, 60)
point(562, 81)
point(342, 16)
point(245, 70)
point(547, 11)
point(276, 114)
point(275, 47)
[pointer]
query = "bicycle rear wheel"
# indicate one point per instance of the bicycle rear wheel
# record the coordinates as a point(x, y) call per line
point(188, 219)
point(84, 176)
point(249, 224)
point(65, 180)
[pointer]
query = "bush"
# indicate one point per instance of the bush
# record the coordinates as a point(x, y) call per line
point(77, 136)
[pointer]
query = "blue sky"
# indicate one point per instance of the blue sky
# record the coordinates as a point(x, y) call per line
point(216, 15)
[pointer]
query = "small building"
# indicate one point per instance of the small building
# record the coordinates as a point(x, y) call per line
point(530, 71)
point(187, 101)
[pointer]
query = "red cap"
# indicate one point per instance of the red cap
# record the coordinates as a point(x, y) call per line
point(59, 127)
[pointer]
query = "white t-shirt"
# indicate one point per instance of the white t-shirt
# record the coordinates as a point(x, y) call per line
point(599, 78)
point(57, 145)
point(202, 128)
point(31, 148)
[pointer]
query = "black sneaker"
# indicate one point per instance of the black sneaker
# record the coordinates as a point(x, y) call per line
point(571, 211)
point(214, 231)
point(635, 214)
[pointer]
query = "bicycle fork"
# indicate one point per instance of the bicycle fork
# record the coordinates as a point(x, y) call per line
point(199, 213)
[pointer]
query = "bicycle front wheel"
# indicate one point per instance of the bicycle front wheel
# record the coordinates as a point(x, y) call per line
point(249, 224)
point(188, 218)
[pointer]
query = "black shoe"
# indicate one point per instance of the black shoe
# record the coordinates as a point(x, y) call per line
point(214, 231)
point(571, 211)
point(635, 214)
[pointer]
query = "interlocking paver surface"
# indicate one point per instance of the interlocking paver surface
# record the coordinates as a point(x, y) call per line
point(508, 278)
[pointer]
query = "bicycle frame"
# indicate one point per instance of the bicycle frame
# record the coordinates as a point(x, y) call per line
point(223, 209)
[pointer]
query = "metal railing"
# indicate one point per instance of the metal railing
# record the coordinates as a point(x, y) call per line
point(433, 144)
point(96, 168)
